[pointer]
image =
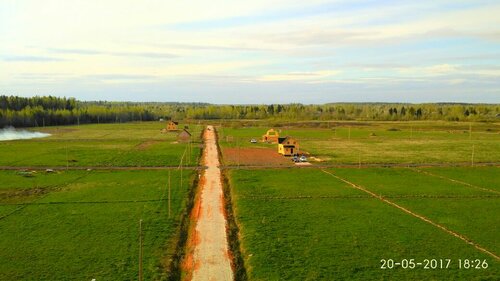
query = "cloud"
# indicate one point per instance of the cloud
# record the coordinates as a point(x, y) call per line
point(299, 76)
point(153, 55)
point(318, 46)
point(31, 59)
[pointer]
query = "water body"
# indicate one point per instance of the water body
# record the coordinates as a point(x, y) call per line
point(10, 133)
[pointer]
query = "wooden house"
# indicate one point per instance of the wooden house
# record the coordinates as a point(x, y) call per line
point(184, 136)
point(271, 136)
point(288, 146)
point(172, 126)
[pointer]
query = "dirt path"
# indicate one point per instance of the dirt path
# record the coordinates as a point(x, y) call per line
point(211, 259)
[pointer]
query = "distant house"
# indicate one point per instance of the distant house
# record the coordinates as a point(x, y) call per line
point(184, 136)
point(172, 126)
point(271, 136)
point(288, 146)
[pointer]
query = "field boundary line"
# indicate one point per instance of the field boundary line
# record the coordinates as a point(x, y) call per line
point(423, 196)
point(455, 181)
point(363, 166)
point(83, 202)
point(457, 235)
point(101, 168)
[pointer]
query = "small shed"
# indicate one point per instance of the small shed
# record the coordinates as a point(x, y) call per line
point(288, 146)
point(172, 126)
point(184, 136)
point(271, 136)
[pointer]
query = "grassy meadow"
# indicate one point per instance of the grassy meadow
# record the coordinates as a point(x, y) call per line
point(294, 223)
point(304, 224)
point(81, 225)
point(383, 142)
point(103, 145)
point(84, 224)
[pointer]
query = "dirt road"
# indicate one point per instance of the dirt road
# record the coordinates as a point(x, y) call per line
point(211, 259)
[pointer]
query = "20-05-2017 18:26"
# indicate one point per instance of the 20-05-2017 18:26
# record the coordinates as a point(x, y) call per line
point(433, 264)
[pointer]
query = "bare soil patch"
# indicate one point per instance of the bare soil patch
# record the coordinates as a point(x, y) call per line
point(255, 156)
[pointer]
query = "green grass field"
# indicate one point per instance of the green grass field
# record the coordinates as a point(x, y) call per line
point(294, 223)
point(304, 224)
point(131, 144)
point(384, 142)
point(86, 224)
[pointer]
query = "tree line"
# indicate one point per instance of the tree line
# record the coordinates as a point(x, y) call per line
point(41, 111)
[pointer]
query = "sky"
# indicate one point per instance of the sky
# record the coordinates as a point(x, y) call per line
point(252, 52)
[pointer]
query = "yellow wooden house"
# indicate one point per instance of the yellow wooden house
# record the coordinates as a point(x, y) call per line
point(271, 136)
point(172, 126)
point(288, 146)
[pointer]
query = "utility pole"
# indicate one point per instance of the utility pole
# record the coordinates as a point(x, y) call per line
point(140, 250)
point(169, 187)
point(67, 159)
point(472, 157)
point(182, 158)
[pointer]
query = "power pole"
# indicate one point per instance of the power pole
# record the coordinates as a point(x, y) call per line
point(472, 157)
point(181, 170)
point(169, 187)
point(67, 159)
point(140, 250)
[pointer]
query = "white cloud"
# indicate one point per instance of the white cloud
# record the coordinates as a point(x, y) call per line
point(300, 76)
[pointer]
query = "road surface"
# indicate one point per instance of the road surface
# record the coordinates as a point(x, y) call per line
point(211, 257)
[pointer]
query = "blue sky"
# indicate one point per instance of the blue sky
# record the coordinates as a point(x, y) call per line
point(257, 51)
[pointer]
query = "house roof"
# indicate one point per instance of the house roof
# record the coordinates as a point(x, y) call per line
point(185, 131)
point(273, 131)
point(282, 140)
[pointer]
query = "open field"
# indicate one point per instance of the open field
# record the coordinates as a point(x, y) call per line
point(132, 144)
point(84, 225)
point(304, 224)
point(294, 223)
point(382, 142)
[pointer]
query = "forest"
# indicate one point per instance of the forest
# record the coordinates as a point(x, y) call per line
point(39, 111)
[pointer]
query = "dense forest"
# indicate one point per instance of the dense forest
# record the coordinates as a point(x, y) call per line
point(49, 110)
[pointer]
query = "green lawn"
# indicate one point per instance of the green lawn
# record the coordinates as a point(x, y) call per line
point(86, 226)
point(303, 224)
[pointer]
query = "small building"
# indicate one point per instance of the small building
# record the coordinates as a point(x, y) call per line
point(288, 146)
point(271, 136)
point(184, 136)
point(172, 126)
